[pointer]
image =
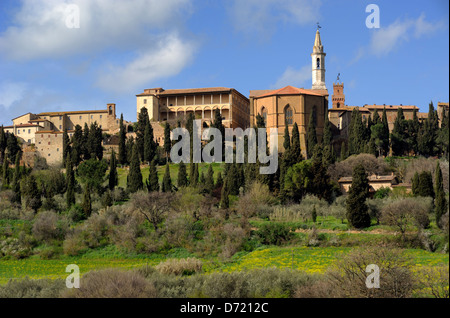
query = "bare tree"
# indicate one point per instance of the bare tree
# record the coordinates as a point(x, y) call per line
point(154, 206)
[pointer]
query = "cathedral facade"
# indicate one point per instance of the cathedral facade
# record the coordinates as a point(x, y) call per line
point(289, 105)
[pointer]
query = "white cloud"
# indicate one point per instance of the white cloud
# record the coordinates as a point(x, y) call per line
point(169, 56)
point(387, 39)
point(40, 29)
point(11, 92)
point(294, 77)
point(262, 16)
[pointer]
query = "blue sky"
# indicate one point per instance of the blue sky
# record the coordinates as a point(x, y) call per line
point(123, 47)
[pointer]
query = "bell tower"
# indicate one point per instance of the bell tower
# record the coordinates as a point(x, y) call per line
point(338, 97)
point(318, 63)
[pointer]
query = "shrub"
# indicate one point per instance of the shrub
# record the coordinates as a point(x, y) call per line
point(12, 247)
point(32, 288)
point(184, 266)
point(47, 227)
point(274, 233)
point(112, 283)
point(401, 213)
point(348, 276)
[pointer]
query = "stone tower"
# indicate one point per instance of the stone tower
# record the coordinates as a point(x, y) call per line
point(338, 98)
point(318, 63)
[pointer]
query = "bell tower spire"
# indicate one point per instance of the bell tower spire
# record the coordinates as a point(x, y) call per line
point(318, 63)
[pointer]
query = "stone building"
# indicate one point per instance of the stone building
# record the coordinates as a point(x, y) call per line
point(340, 113)
point(376, 182)
point(175, 105)
point(45, 130)
point(289, 105)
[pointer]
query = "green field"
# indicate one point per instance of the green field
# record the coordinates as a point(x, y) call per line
point(308, 259)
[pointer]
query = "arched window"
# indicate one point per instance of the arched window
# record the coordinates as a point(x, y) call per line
point(318, 62)
point(264, 114)
point(338, 105)
point(288, 115)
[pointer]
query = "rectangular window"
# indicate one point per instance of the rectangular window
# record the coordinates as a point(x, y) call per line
point(145, 101)
point(101, 116)
point(29, 131)
point(81, 117)
point(18, 131)
point(57, 149)
point(60, 127)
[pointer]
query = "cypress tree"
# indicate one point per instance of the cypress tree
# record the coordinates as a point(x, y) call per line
point(70, 183)
point(77, 145)
point(209, 182)
point(167, 141)
point(16, 182)
point(143, 119)
point(295, 144)
point(12, 144)
point(167, 181)
point(123, 160)
point(153, 181)
point(376, 118)
point(311, 141)
point(398, 135)
point(182, 180)
point(31, 193)
point(357, 130)
point(219, 181)
point(87, 204)
point(314, 214)
point(425, 188)
point(287, 138)
point(440, 201)
point(3, 144)
point(113, 177)
point(327, 133)
point(385, 133)
point(202, 179)
point(134, 180)
point(357, 209)
point(5, 173)
point(66, 145)
point(129, 146)
point(86, 147)
point(224, 199)
point(149, 143)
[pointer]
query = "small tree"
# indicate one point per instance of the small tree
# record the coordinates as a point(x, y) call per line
point(167, 141)
point(182, 180)
point(153, 182)
point(113, 177)
point(122, 140)
point(209, 183)
point(87, 205)
point(31, 193)
point(357, 209)
point(154, 206)
point(440, 201)
point(70, 183)
point(134, 180)
point(167, 181)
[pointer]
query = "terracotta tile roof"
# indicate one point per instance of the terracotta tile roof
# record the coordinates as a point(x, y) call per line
point(22, 115)
point(290, 90)
point(372, 178)
point(259, 92)
point(73, 112)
